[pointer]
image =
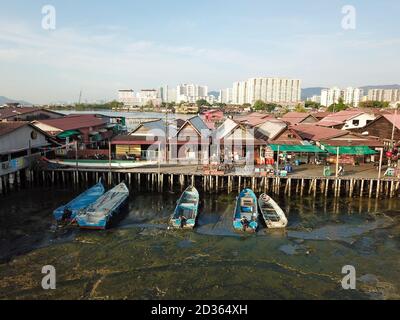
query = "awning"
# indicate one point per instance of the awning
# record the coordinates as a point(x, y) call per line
point(353, 150)
point(296, 148)
point(68, 133)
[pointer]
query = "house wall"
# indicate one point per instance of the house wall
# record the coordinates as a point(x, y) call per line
point(380, 128)
point(188, 132)
point(362, 120)
point(287, 137)
point(19, 140)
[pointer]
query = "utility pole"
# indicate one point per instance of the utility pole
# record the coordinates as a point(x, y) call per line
point(166, 136)
point(337, 162)
point(80, 96)
point(394, 126)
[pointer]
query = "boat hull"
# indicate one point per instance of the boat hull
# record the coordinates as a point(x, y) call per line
point(272, 213)
point(81, 202)
point(106, 210)
point(101, 164)
point(246, 208)
point(188, 204)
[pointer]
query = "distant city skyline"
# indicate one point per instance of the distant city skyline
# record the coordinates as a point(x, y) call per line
point(100, 48)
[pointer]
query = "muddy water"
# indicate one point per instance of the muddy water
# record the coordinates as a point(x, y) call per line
point(142, 259)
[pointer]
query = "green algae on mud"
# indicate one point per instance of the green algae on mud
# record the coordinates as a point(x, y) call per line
point(141, 259)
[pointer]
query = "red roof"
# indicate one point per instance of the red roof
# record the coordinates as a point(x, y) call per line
point(393, 119)
point(74, 122)
point(253, 119)
point(317, 133)
point(9, 112)
point(8, 127)
point(339, 118)
point(296, 117)
point(321, 114)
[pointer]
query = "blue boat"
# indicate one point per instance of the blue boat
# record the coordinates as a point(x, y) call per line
point(69, 211)
point(99, 215)
point(245, 217)
point(185, 214)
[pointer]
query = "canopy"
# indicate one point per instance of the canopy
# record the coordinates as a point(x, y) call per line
point(297, 148)
point(68, 133)
point(353, 150)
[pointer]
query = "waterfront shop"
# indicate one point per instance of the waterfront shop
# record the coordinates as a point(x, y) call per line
point(89, 130)
point(143, 143)
point(350, 155)
point(191, 142)
point(294, 154)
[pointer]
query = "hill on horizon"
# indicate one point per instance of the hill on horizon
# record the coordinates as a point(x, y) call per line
point(4, 100)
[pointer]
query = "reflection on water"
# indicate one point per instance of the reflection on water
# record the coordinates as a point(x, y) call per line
point(141, 258)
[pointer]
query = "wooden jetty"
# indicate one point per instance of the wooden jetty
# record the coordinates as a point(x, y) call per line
point(174, 177)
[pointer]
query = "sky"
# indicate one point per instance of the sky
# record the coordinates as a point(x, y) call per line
point(102, 46)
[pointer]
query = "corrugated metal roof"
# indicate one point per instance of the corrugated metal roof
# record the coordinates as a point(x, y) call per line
point(74, 122)
point(296, 117)
point(271, 128)
point(316, 132)
point(8, 127)
point(393, 119)
point(338, 118)
point(198, 124)
point(9, 112)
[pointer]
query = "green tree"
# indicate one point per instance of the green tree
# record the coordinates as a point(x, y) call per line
point(220, 105)
point(374, 104)
point(260, 105)
point(300, 108)
point(202, 103)
point(336, 107)
point(312, 105)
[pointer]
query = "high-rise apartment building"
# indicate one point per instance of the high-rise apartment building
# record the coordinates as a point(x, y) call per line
point(331, 96)
point(353, 96)
point(276, 90)
point(389, 95)
point(191, 92)
point(225, 96)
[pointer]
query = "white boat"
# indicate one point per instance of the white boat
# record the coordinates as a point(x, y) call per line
point(186, 210)
point(272, 213)
point(101, 164)
point(99, 214)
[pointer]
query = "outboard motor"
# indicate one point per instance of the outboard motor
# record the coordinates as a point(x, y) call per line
point(67, 214)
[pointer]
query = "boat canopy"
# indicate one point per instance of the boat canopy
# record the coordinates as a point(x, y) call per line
point(187, 206)
point(351, 150)
point(68, 133)
point(296, 148)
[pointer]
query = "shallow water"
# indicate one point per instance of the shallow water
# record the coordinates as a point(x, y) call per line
point(142, 259)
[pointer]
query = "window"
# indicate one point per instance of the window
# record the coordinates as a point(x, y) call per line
point(356, 122)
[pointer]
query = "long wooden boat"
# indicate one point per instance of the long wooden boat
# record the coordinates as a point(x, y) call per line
point(69, 211)
point(245, 216)
point(272, 213)
point(186, 210)
point(100, 164)
point(108, 206)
